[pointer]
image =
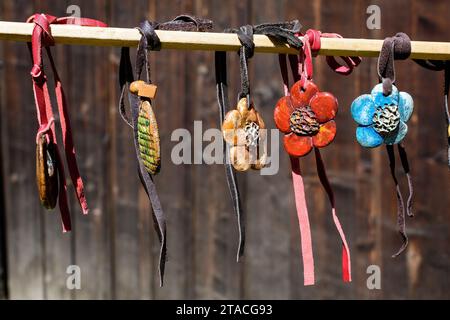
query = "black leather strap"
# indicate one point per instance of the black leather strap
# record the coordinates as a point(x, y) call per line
point(438, 65)
point(125, 79)
point(150, 41)
point(285, 32)
point(401, 209)
point(245, 35)
point(397, 47)
point(222, 99)
point(394, 48)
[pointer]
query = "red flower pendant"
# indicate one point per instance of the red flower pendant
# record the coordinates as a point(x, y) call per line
point(306, 117)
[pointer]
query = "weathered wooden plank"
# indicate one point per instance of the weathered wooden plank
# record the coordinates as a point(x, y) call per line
point(309, 15)
point(116, 246)
point(396, 17)
point(327, 245)
point(172, 72)
point(426, 259)
point(3, 245)
point(23, 213)
point(367, 241)
point(57, 248)
point(269, 198)
point(216, 274)
point(93, 245)
point(131, 225)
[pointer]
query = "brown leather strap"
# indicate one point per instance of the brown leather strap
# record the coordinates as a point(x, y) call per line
point(150, 41)
point(397, 47)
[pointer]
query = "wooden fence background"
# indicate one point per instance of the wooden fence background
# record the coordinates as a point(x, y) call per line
point(115, 245)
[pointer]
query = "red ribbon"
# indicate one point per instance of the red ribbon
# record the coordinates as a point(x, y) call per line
point(312, 44)
point(42, 37)
point(302, 68)
point(303, 222)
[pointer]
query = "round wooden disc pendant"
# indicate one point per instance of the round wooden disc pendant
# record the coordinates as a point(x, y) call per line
point(148, 138)
point(46, 173)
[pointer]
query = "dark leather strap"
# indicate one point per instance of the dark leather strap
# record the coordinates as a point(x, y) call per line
point(285, 32)
point(223, 103)
point(42, 38)
point(401, 209)
point(438, 65)
point(397, 47)
point(149, 42)
point(187, 23)
point(247, 50)
point(394, 48)
point(125, 79)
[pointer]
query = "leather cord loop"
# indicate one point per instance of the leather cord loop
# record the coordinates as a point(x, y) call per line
point(286, 32)
point(150, 41)
point(313, 37)
point(394, 48)
point(397, 47)
point(125, 79)
point(247, 50)
point(245, 35)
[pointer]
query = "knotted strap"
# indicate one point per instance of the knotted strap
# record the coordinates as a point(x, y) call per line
point(396, 48)
point(247, 50)
point(42, 38)
point(150, 41)
point(438, 65)
point(312, 38)
point(300, 70)
point(285, 32)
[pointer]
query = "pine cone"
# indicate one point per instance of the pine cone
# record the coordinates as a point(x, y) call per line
point(386, 119)
point(303, 122)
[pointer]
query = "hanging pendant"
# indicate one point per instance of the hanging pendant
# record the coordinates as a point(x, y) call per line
point(46, 172)
point(306, 117)
point(382, 118)
point(148, 134)
point(244, 130)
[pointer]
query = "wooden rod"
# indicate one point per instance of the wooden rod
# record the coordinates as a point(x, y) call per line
point(95, 36)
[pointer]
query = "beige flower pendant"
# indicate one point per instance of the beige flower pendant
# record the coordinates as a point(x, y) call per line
point(244, 130)
point(148, 134)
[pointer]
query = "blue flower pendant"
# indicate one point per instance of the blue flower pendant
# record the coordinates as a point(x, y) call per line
point(382, 119)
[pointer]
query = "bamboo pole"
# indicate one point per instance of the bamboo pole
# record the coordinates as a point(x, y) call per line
point(95, 36)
